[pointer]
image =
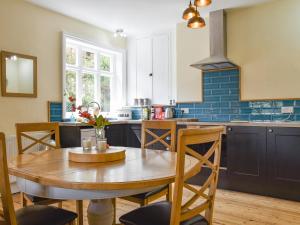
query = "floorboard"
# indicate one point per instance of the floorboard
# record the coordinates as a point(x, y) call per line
point(231, 208)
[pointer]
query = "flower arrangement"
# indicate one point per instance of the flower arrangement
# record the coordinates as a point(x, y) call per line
point(97, 121)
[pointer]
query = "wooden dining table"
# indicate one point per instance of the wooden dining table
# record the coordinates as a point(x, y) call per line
point(50, 174)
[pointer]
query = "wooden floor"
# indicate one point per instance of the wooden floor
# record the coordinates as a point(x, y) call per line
point(232, 208)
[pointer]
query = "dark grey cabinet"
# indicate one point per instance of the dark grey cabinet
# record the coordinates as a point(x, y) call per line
point(264, 160)
point(257, 160)
point(70, 136)
point(246, 159)
point(283, 149)
point(115, 135)
point(133, 135)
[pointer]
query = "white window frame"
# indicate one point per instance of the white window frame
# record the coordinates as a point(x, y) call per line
point(83, 45)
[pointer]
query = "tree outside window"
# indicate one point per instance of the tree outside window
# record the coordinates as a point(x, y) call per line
point(71, 55)
point(105, 93)
point(70, 87)
point(105, 63)
point(88, 59)
point(88, 88)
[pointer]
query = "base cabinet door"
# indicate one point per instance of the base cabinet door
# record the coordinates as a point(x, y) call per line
point(133, 135)
point(284, 162)
point(246, 159)
point(115, 134)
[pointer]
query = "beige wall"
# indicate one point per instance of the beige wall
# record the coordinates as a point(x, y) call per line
point(28, 29)
point(264, 41)
point(192, 45)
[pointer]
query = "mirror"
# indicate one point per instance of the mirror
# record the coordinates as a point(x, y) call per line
point(18, 75)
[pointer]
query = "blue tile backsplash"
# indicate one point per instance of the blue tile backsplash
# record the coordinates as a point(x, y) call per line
point(221, 102)
point(55, 112)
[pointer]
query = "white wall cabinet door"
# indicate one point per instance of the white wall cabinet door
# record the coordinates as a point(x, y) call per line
point(161, 69)
point(144, 68)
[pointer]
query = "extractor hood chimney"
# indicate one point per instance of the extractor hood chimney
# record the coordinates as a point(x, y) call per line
point(218, 45)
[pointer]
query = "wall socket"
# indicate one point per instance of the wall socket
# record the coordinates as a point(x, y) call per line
point(287, 110)
point(185, 110)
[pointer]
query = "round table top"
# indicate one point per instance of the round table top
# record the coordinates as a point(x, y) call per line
point(140, 169)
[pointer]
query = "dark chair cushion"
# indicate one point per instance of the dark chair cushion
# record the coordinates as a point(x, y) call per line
point(150, 193)
point(44, 215)
point(41, 201)
point(157, 214)
point(36, 199)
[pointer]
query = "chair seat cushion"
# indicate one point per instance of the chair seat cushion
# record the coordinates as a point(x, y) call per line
point(150, 193)
point(157, 214)
point(36, 199)
point(39, 200)
point(44, 215)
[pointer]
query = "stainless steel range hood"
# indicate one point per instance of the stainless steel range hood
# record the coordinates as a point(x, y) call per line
point(218, 45)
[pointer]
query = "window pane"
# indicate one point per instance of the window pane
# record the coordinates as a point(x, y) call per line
point(88, 59)
point(87, 88)
point(71, 55)
point(105, 63)
point(70, 87)
point(105, 93)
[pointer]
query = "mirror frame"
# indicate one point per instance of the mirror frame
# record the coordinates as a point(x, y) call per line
point(4, 55)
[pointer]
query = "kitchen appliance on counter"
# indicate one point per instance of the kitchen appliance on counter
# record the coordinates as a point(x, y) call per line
point(169, 112)
point(124, 114)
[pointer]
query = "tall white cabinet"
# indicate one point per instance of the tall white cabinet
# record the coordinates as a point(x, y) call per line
point(150, 68)
point(144, 68)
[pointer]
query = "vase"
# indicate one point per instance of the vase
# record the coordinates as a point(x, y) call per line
point(100, 133)
point(100, 139)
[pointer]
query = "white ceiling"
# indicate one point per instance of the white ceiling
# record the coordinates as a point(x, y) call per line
point(136, 17)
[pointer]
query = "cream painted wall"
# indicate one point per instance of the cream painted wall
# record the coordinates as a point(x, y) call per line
point(264, 41)
point(31, 30)
point(191, 46)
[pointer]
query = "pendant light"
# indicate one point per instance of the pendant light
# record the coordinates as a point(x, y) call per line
point(189, 12)
point(196, 21)
point(200, 3)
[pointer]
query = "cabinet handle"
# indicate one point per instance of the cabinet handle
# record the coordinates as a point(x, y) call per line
point(270, 130)
point(151, 74)
point(229, 129)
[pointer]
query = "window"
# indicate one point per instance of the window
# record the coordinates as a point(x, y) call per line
point(92, 74)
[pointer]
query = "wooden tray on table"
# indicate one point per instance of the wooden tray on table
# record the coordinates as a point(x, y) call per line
point(94, 155)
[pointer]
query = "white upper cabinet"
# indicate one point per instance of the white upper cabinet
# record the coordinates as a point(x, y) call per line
point(161, 70)
point(150, 69)
point(144, 68)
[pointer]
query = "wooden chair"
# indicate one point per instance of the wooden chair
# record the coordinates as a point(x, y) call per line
point(202, 200)
point(148, 129)
point(47, 131)
point(31, 215)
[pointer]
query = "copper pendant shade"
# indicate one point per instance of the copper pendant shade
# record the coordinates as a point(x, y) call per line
point(196, 22)
point(189, 12)
point(192, 14)
point(200, 3)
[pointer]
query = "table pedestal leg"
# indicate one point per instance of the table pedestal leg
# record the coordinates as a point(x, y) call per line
point(100, 212)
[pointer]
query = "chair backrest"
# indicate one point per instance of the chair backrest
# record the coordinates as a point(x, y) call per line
point(27, 130)
point(148, 127)
point(6, 197)
point(202, 199)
